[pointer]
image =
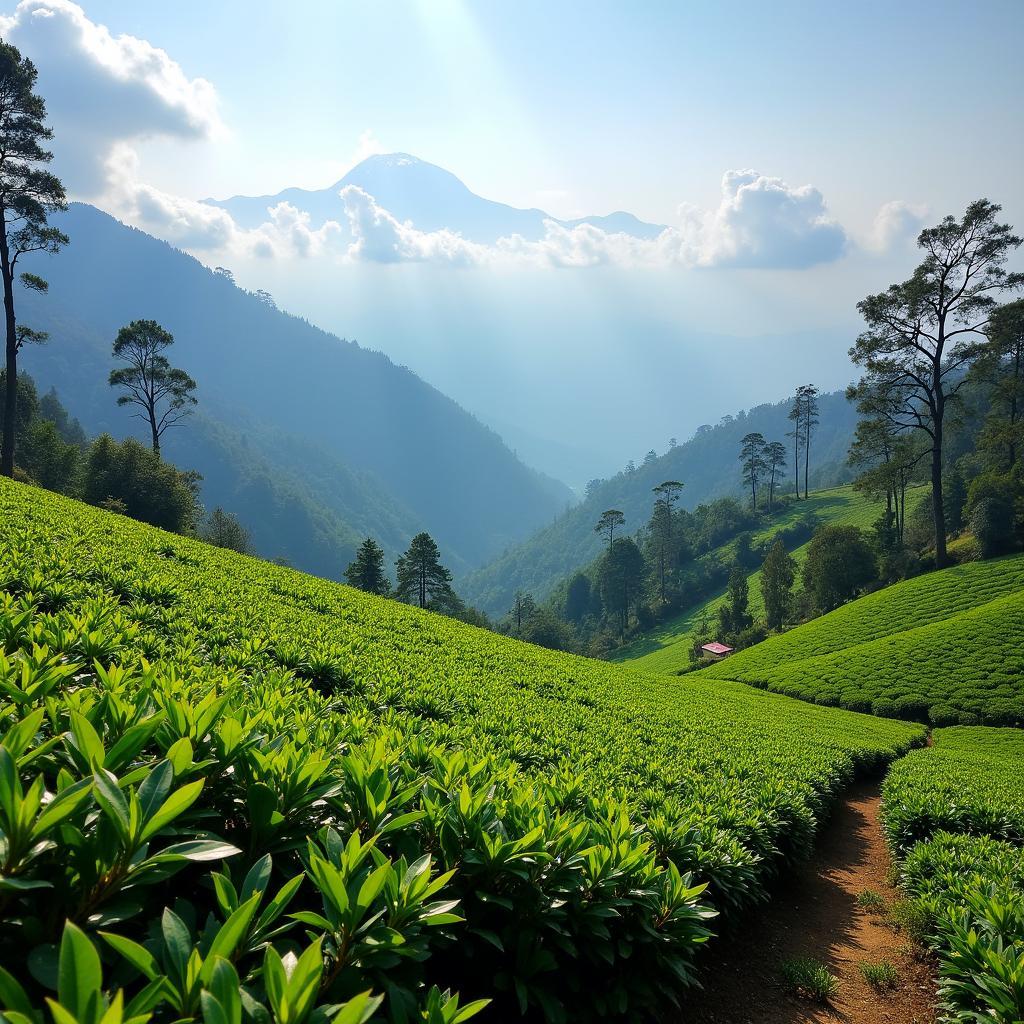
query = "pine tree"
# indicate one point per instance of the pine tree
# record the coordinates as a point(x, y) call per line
point(28, 195)
point(752, 448)
point(422, 579)
point(366, 572)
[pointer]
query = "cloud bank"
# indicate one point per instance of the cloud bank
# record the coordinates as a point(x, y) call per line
point(102, 90)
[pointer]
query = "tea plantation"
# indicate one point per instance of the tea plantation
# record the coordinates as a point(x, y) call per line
point(667, 648)
point(231, 792)
point(955, 812)
point(946, 647)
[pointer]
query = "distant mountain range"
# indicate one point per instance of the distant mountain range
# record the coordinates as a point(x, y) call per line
point(707, 464)
point(313, 441)
point(429, 196)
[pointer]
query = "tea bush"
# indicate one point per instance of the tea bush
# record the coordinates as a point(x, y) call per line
point(955, 813)
point(947, 647)
point(230, 792)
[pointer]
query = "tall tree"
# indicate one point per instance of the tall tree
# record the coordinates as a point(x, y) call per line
point(223, 530)
point(923, 333)
point(622, 571)
point(734, 615)
point(610, 521)
point(422, 579)
point(796, 417)
point(777, 575)
point(578, 598)
point(162, 392)
point(775, 458)
point(1001, 368)
point(523, 609)
point(809, 396)
point(28, 195)
point(752, 449)
point(662, 526)
point(366, 571)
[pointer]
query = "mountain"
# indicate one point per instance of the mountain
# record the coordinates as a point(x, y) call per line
point(368, 443)
point(429, 196)
point(709, 468)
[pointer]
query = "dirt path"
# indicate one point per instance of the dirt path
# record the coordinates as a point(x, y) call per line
point(815, 913)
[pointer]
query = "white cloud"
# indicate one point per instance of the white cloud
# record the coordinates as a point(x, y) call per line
point(201, 227)
point(102, 89)
point(895, 224)
point(379, 237)
point(761, 222)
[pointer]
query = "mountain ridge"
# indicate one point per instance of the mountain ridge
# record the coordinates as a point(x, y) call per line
point(430, 197)
point(457, 477)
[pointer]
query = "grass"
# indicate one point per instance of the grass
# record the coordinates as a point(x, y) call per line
point(882, 975)
point(666, 648)
point(946, 647)
point(871, 900)
point(595, 818)
point(809, 978)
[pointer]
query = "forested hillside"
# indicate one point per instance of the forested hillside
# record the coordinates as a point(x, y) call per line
point(708, 467)
point(255, 364)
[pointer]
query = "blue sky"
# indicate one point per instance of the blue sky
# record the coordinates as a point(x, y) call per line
point(589, 107)
point(862, 121)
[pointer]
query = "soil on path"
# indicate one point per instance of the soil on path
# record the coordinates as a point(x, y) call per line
point(815, 913)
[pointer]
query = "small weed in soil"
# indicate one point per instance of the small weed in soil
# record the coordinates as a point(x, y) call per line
point(881, 976)
point(810, 978)
point(871, 900)
point(912, 919)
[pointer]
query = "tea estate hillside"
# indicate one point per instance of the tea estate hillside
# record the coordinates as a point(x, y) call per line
point(360, 804)
point(947, 647)
point(667, 647)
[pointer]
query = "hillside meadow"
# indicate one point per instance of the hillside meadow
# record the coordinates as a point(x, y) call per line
point(945, 647)
point(212, 766)
point(667, 648)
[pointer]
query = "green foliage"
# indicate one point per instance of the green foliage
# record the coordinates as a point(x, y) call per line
point(945, 647)
point(421, 578)
point(955, 811)
point(971, 780)
point(881, 975)
point(366, 572)
point(223, 530)
point(262, 797)
point(666, 647)
point(777, 575)
point(809, 978)
point(148, 488)
point(840, 563)
point(870, 900)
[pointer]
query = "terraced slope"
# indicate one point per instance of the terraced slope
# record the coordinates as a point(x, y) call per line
point(954, 817)
point(582, 806)
point(946, 647)
point(667, 648)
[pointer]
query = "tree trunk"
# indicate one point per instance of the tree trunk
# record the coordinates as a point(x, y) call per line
point(796, 457)
point(938, 512)
point(11, 408)
point(807, 452)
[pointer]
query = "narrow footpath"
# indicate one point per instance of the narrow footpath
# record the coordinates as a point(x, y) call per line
point(816, 913)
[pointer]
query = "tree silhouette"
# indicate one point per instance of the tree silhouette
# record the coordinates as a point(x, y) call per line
point(924, 332)
point(366, 571)
point(28, 195)
point(610, 521)
point(422, 579)
point(752, 448)
point(162, 392)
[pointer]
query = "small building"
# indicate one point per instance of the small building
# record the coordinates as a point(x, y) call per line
point(715, 651)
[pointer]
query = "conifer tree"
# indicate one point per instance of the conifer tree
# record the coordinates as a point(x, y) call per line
point(422, 579)
point(28, 195)
point(366, 572)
